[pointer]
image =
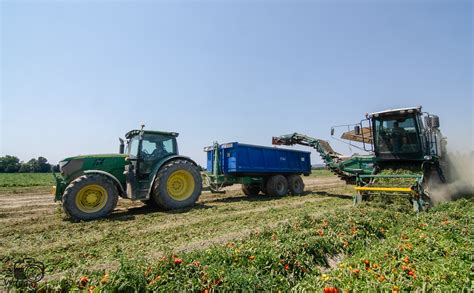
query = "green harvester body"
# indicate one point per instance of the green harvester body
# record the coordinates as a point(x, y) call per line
point(400, 139)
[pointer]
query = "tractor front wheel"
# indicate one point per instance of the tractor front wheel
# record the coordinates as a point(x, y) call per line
point(90, 197)
point(177, 185)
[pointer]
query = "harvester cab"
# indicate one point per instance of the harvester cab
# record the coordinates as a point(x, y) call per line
point(148, 169)
point(405, 134)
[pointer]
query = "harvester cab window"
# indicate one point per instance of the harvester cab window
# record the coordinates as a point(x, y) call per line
point(396, 135)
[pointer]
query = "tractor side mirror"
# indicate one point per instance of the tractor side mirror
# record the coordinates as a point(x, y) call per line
point(122, 146)
point(434, 121)
point(357, 130)
point(332, 131)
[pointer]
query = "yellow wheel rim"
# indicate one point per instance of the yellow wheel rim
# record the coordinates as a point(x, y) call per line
point(180, 185)
point(91, 198)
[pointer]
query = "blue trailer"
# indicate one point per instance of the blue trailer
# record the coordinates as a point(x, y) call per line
point(273, 171)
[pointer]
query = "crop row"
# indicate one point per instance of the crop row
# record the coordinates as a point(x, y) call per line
point(366, 247)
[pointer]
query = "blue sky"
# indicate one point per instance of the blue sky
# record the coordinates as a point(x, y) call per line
point(77, 75)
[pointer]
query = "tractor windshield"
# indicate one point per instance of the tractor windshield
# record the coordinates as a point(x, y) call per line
point(132, 147)
point(396, 135)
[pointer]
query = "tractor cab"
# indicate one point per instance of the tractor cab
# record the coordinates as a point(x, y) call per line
point(146, 150)
point(403, 134)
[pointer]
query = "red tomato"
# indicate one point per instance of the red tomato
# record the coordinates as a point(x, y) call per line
point(84, 280)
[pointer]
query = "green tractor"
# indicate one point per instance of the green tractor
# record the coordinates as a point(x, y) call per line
point(407, 155)
point(149, 169)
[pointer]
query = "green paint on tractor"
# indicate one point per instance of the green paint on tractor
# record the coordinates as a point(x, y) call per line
point(73, 167)
point(150, 169)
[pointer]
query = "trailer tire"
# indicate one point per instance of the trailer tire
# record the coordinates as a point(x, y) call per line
point(277, 185)
point(250, 189)
point(177, 185)
point(90, 197)
point(295, 184)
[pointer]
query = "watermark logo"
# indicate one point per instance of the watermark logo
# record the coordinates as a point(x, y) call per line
point(24, 273)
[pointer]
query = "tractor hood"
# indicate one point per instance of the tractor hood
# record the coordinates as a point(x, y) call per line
point(110, 163)
point(100, 156)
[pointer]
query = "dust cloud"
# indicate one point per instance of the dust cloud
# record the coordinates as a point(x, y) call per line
point(460, 176)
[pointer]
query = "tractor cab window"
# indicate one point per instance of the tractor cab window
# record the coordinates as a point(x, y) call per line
point(396, 134)
point(157, 147)
point(132, 147)
point(154, 148)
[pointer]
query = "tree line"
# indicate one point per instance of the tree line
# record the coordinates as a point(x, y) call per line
point(12, 164)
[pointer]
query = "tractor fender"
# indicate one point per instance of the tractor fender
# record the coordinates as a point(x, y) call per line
point(117, 182)
point(160, 164)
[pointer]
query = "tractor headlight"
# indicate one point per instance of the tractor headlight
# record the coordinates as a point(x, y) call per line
point(62, 164)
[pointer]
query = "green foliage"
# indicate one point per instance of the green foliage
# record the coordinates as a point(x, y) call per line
point(26, 179)
point(321, 172)
point(380, 249)
point(11, 164)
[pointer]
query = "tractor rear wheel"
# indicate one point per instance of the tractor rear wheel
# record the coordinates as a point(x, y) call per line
point(250, 189)
point(277, 185)
point(295, 184)
point(149, 202)
point(177, 185)
point(90, 197)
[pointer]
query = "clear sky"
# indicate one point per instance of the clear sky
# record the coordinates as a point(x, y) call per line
point(77, 75)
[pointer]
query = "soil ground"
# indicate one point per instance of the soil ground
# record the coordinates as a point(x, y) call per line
point(33, 225)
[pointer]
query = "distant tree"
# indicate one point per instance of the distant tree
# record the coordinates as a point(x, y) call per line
point(43, 165)
point(33, 165)
point(25, 168)
point(55, 168)
point(9, 164)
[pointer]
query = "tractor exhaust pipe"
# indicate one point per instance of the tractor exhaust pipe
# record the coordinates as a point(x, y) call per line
point(122, 146)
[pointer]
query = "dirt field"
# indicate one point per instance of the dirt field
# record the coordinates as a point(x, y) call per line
point(33, 225)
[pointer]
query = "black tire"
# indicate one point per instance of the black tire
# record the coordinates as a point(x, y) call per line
point(277, 185)
point(165, 199)
point(263, 186)
point(75, 196)
point(150, 203)
point(295, 184)
point(250, 189)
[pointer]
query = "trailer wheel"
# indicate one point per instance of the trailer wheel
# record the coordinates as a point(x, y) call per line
point(177, 185)
point(295, 184)
point(250, 189)
point(90, 197)
point(277, 185)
